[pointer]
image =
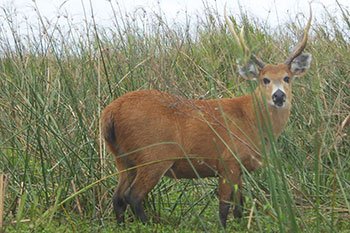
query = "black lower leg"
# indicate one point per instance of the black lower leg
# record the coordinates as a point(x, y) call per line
point(139, 211)
point(119, 207)
point(224, 208)
point(136, 206)
point(238, 211)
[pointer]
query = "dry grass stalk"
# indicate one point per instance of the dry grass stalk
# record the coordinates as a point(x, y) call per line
point(2, 198)
point(77, 199)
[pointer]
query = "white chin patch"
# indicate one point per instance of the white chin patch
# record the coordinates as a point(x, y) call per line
point(279, 105)
point(283, 105)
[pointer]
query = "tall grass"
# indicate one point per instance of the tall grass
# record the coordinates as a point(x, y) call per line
point(54, 83)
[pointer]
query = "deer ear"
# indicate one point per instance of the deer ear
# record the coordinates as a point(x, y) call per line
point(301, 64)
point(249, 72)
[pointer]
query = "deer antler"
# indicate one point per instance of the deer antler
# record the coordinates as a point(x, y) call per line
point(241, 42)
point(302, 44)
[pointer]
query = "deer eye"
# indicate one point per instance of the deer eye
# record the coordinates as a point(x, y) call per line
point(266, 81)
point(286, 79)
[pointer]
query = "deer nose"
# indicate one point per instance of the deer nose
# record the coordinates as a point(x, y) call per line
point(279, 97)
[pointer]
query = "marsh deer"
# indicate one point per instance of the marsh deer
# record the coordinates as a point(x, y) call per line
point(152, 133)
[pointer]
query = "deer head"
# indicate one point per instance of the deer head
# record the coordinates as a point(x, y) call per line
point(274, 79)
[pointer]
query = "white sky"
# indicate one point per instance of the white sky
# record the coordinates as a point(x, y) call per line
point(272, 12)
point(173, 9)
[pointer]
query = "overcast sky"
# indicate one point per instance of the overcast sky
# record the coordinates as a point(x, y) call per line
point(273, 12)
point(173, 9)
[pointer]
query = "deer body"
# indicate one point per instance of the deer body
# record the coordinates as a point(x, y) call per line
point(152, 134)
point(199, 130)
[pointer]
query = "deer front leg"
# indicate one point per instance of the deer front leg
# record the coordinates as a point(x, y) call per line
point(238, 210)
point(230, 184)
point(225, 195)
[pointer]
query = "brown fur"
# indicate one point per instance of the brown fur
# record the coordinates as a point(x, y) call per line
point(152, 133)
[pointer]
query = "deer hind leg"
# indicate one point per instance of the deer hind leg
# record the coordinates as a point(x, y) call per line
point(119, 202)
point(126, 177)
point(146, 178)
